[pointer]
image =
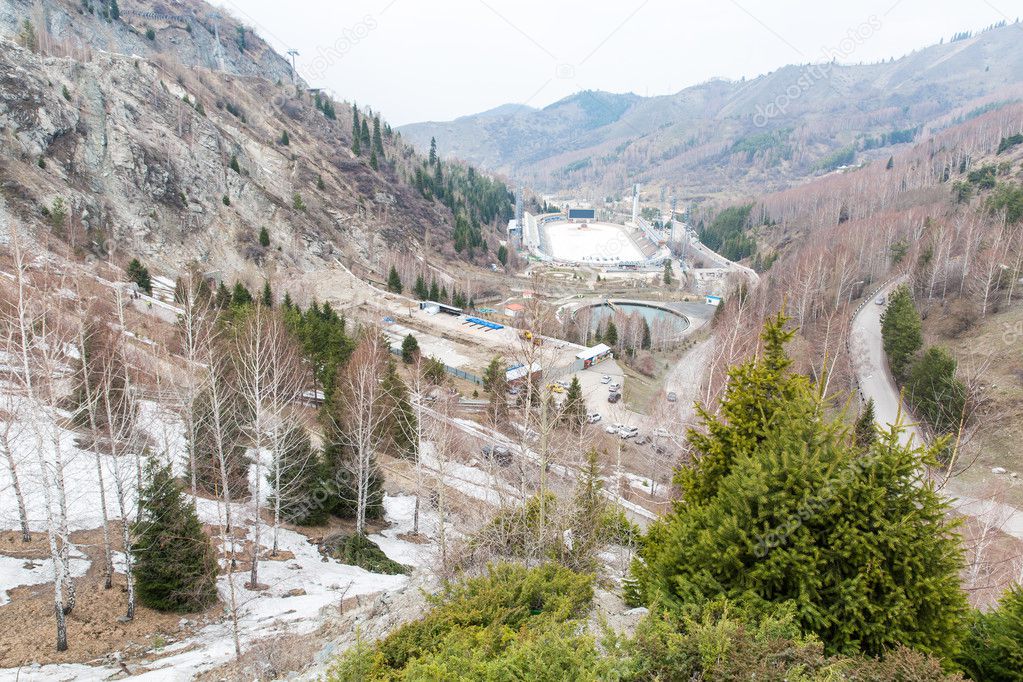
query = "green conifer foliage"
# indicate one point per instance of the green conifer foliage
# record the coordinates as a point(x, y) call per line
point(993, 648)
point(781, 512)
point(175, 569)
point(299, 472)
point(901, 332)
point(138, 273)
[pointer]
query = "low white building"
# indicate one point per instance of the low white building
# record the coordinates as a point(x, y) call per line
point(594, 355)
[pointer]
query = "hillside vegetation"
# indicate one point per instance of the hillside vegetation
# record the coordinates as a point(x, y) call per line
point(751, 135)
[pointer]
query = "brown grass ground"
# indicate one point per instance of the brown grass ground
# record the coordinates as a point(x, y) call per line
point(995, 345)
point(27, 626)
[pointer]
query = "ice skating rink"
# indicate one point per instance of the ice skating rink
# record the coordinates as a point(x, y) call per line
point(590, 242)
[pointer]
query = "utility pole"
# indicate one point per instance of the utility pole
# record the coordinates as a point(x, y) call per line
point(294, 73)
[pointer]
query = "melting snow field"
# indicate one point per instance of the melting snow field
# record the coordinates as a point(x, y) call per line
point(262, 614)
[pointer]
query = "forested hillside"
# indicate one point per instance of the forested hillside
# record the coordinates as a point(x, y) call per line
point(751, 135)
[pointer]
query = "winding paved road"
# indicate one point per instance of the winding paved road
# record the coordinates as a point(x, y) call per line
point(875, 381)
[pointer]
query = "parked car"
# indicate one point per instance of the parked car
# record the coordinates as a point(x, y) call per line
point(672, 397)
point(613, 428)
point(614, 397)
point(661, 433)
point(606, 379)
point(593, 417)
point(628, 432)
point(562, 383)
point(614, 386)
point(879, 300)
point(642, 440)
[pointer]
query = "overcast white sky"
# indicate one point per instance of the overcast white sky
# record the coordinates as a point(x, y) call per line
point(416, 60)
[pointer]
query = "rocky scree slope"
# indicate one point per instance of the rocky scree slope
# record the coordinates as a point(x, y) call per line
point(170, 163)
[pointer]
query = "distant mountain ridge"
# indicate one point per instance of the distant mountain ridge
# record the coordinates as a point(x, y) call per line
point(756, 134)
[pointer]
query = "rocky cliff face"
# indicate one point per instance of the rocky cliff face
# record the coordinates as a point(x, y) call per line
point(188, 29)
point(152, 154)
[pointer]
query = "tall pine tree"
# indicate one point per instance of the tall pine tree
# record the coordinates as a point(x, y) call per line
point(175, 569)
point(782, 514)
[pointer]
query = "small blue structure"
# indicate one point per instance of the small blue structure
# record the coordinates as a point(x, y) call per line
point(713, 300)
point(486, 324)
point(581, 214)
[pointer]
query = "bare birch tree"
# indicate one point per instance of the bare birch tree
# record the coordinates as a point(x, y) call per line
point(36, 339)
point(361, 414)
point(268, 368)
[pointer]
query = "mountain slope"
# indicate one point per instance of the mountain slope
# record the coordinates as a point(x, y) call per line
point(151, 150)
point(749, 135)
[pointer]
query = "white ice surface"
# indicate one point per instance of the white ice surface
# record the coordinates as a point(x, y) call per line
point(597, 242)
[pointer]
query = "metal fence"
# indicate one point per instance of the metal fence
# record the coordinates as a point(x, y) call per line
point(453, 371)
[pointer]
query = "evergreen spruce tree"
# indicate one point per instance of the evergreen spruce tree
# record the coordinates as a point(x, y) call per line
point(240, 295)
point(502, 254)
point(588, 513)
point(611, 334)
point(209, 477)
point(901, 332)
point(993, 649)
point(394, 281)
point(285, 140)
point(409, 349)
point(356, 146)
point(267, 297)
point(433, 151)
point(668, 273)
point(175, 565)
point(365, 141)
point(264, 237)
point(435, 294)
point(782, 514)
point(865, 431)
point(378, 141)
point(337, 484)
point(494, 377)
point(401, 425)
point(138, 273)
point(645, 342)
point(574, 410)
point(373, 160)
point(301, 472)
point(419, 289)
point(223, 298)
point(934, 391)
point(234, 164)
point(495, 383)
